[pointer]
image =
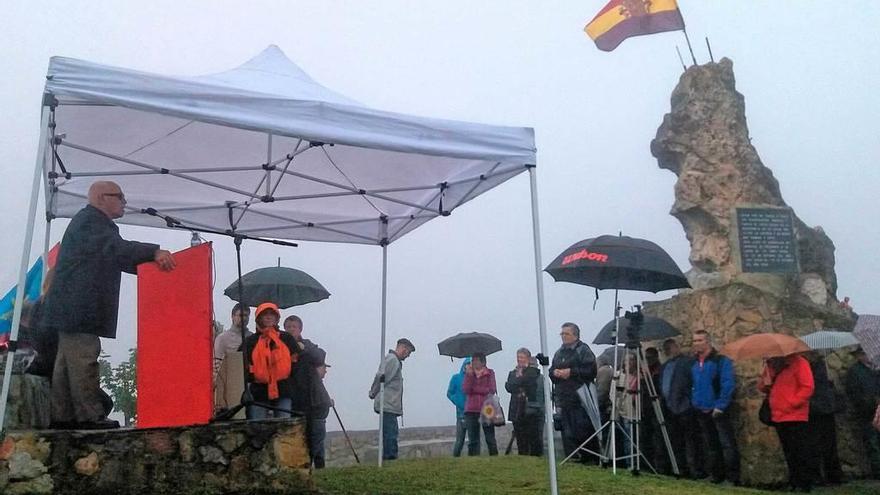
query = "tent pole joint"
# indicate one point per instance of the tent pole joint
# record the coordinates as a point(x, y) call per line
point(267, 199)
point(443, 187)
point(270, 166)
point(49, 99)
point(383, 219)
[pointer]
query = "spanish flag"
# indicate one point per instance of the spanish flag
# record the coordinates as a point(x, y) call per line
point(621, 19)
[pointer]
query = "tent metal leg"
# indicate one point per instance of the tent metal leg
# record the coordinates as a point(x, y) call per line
point(382, 348)
point(46, 242)
point(542, 325)
point(23, 267)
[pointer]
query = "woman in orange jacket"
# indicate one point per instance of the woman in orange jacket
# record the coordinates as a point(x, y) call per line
point(789, 383)
point(272, 353)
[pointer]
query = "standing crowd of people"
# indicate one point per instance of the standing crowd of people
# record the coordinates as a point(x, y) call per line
point(695, 394)
point(286, 371)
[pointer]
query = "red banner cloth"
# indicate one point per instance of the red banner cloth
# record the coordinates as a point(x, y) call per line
point(175, 333)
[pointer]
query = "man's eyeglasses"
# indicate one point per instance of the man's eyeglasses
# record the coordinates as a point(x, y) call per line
point(563, 334)
point(121, 196)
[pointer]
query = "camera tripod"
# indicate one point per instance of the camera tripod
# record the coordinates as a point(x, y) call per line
point(608, 453)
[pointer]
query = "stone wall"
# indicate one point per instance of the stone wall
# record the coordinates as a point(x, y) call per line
point(28, 404)
point(414, 443)
point(236, 457)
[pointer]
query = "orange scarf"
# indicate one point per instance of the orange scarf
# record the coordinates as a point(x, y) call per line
point(270, 361)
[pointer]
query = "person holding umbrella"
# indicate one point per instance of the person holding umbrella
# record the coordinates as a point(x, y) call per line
point(574, 365)
point(788, 381)
point(526, 387)
point(479, 383)
point(272, 354)
point(825, 403)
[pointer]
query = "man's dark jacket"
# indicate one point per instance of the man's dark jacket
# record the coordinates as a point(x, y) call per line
point(309, 396)
point(863, 389)
point(529, 384)
point(582, 362)
point(679, 399)
point(84, 297)
point(825, 399)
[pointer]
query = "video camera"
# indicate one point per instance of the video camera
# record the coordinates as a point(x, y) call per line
point(635, 318)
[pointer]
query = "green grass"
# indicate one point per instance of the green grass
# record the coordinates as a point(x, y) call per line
point(520, 475)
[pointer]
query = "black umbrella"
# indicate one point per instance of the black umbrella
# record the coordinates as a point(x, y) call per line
point(607, 356)
point(618, 262)
point(468, 344)
point(283, 286)
point(651, 329)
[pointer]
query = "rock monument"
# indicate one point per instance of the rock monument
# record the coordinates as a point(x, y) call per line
point(747, 276)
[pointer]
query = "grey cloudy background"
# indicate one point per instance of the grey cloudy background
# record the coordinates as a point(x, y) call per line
point(808, 70)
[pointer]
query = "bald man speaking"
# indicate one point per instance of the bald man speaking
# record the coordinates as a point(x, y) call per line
point(83, 303)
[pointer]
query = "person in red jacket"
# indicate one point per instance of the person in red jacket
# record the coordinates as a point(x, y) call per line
point(479, 383)
point(789, 383)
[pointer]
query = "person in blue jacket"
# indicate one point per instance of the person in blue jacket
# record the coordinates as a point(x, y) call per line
point(455, 394)
point(712, 389)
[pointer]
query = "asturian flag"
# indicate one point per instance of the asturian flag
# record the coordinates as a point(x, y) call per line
point(621, 19)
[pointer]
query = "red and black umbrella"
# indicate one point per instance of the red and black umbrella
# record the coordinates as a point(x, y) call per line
point(618, 262)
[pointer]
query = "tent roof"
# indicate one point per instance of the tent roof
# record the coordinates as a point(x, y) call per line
point(267, 150)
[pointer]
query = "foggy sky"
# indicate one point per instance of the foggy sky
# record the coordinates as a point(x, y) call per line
point(808, 71)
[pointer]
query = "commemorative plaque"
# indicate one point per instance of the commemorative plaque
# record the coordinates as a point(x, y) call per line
point(766, 240)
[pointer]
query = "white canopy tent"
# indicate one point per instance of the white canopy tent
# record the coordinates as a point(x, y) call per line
point(263, 150)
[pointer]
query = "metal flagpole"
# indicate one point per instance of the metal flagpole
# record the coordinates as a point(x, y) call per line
point(23, 267)
point(686, 38)
point(542, 326)
point(690, 48)
point(382, 345)
point(683, 66)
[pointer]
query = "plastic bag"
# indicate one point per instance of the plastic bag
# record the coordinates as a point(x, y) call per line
point(491, 413)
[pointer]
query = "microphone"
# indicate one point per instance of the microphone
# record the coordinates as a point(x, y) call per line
point(169, 220)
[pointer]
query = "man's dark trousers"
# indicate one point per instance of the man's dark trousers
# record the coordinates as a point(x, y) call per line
point(824, 428)
point(685, 444)
point(799, 450)
point(76, 395)
point(719, 441)
point(576, 428)
point(389, 436)
point(317, 432)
